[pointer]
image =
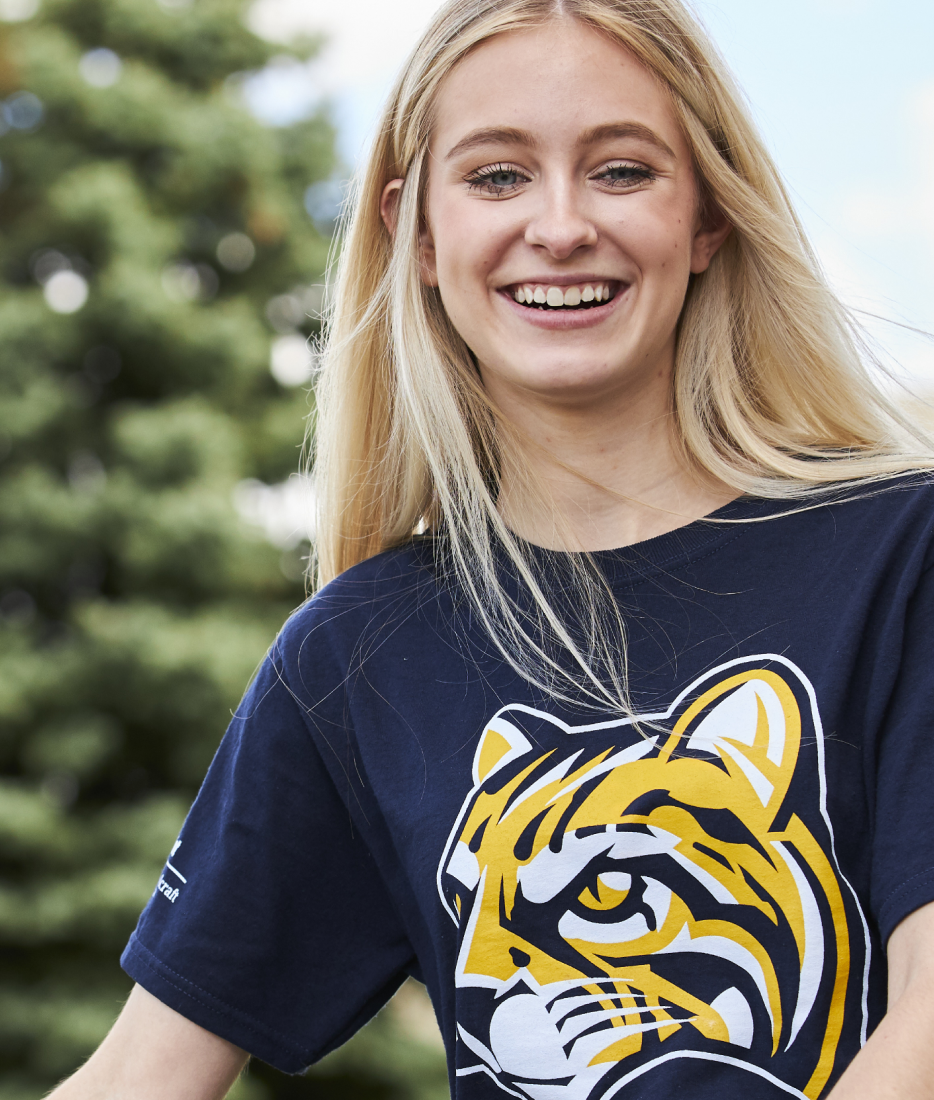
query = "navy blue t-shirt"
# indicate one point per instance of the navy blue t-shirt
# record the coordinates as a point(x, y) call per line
point(696, 903)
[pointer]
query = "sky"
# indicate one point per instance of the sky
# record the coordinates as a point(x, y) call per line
point(843, 91)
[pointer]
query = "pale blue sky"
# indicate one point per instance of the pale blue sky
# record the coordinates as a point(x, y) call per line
point(843, 91)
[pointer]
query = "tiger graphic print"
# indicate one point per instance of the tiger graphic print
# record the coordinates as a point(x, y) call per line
point(632, 893)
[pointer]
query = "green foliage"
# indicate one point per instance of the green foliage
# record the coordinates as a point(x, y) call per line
point(134, 601)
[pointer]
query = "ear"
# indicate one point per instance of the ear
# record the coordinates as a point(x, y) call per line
point(752, 723)
point(389, 204)
point(500, 743)
point(389, 211)
point(712, 231)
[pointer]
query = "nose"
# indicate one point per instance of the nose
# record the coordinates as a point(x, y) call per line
point(560, 226)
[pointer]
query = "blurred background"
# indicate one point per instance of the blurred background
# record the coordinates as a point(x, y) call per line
point(170, 175)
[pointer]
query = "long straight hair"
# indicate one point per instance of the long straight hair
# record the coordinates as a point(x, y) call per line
point(771, 393)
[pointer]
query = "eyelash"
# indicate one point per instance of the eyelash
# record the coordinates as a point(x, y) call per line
point(637, 173)
point(482, 179)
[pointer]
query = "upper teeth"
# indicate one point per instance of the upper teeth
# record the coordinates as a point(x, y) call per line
point(556, 296)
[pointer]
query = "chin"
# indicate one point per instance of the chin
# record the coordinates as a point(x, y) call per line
point(568, 381)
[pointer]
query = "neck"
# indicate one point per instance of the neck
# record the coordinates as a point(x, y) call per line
point(601, 475)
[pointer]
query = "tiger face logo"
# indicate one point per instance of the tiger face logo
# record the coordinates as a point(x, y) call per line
point(629, 897)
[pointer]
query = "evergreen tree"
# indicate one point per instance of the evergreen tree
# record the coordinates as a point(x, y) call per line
point(153, 248)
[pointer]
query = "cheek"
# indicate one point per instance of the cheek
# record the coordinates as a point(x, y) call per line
point(663, 244)
point(464, 258)
point(468, 243)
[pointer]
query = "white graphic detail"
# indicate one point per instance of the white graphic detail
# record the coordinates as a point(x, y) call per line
point(735, 1012)
point(737, 719)
point(176, 872)
point(464, 866)
point(167, 891)
point(812, 964)
point(558, 772)
point(548, 1040)
point(478, 1048)
point(700, 1056)
point(518, 742)
point(171, 892)
point(722, 948)
point(657, 897)
point(627, 756)
point(549, 872)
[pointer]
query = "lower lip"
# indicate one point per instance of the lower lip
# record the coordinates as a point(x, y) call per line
point(563, 319)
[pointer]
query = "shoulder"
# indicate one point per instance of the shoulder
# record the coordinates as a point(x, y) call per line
point(903, 500)
point(354, 604)
point(887, 526)
point(900, 506)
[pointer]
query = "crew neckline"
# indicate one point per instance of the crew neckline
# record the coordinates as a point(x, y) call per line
point(672, 548)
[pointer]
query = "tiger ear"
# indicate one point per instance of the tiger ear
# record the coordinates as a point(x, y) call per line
point(500, 743)
point(752, 723)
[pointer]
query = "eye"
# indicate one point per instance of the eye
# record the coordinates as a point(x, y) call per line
point(624, 176)
point(496, 179)
point(607, 891)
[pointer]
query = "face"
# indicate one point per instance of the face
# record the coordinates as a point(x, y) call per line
point(562, 216)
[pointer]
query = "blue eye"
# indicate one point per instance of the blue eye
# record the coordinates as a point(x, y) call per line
point(497, 179)
point(627, 174)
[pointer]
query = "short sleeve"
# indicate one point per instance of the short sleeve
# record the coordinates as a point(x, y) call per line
point(903, 846)
point(270, 925)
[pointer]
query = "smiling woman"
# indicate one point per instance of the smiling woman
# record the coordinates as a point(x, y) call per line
point(562, 250)
point(564, 181)
point(762, 386)
point(611, 718)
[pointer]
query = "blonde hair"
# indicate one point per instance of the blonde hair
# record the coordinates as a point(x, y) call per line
point(772, 395)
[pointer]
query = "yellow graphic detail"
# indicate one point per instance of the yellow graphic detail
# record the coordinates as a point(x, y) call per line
point(602, 897)
point(811, 851)
point(492, 750)
point(567, 856)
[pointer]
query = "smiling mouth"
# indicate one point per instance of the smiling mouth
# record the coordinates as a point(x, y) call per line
point(581, 296)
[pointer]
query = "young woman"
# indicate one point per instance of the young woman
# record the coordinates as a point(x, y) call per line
point(613, 721)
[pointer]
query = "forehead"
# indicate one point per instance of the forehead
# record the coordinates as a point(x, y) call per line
point(555, 81)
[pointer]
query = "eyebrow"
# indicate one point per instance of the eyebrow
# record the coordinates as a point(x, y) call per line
point(509, 135)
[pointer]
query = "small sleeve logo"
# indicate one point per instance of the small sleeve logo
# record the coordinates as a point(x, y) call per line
point(171, 889)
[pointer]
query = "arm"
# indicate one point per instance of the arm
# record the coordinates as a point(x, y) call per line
point(153, 1053)
point(898, 1061)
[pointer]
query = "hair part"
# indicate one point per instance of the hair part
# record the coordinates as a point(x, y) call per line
point(772, 391)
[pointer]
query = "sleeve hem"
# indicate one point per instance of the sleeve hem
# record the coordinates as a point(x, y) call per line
point(904, 900)
point(208, 1011)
